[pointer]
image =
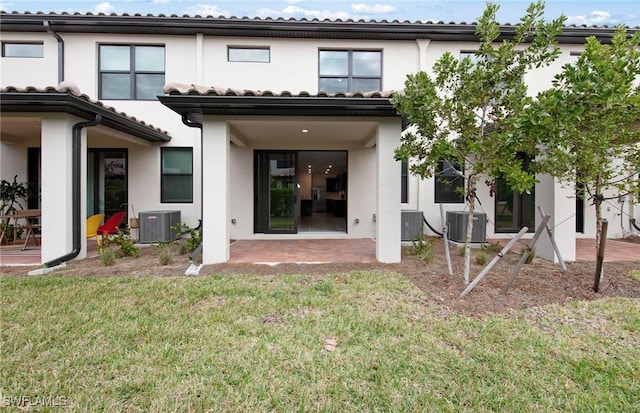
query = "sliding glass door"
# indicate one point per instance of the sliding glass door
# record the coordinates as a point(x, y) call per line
point(106, 181)
point(276, 192)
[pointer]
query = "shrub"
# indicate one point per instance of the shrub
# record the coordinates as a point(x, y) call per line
point(481, 258)
point(165, 257)
point(127, 249)
point(108, 257)
point(492, 247)
point(531, 255)
point(423, 249)
point(193, 240)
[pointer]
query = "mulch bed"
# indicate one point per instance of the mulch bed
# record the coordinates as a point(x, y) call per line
point(539, 283)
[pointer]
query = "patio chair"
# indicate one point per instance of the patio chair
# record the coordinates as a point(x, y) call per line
point(111, 225)
point(93, 223)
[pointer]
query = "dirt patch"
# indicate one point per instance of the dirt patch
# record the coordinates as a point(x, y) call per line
point(537, 284)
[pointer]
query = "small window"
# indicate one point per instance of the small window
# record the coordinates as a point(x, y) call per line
point(131, 72)
point(404, 182)
point(22, 49)
point(249, 54)
point(449, 183)
point(177, 175)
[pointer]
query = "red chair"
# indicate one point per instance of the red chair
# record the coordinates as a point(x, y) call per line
point(111, 225)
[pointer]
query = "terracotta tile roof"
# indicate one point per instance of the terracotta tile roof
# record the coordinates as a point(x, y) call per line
point(274, 19)
point(72, 89)
point(191, 89)
point(273, 27)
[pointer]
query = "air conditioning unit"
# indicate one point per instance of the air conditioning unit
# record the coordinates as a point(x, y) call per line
point(411, 225)
point(457, 226)
point(157, 226)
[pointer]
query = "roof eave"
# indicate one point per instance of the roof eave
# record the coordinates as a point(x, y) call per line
point(279, 106)
point(63, 102)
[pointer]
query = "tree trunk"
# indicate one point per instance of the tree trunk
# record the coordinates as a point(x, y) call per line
point(471, 199)
point(598, 205)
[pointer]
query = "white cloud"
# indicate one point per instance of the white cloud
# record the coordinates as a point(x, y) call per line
point(161, 2)
point(596, 17)
point(376, 9)
point(5, 5)
point(104, 7)
point(300, 12)
point(293, 1)
point(206, 10)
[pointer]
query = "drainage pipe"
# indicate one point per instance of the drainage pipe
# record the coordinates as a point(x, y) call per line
point(75, 190)
point(193, 124)
point(60, 50)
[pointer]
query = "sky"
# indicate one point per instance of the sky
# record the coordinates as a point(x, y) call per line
point(589, 12)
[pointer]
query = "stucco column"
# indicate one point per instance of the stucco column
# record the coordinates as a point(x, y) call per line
point(560, 203)
point(57, 187)
point(388, 236)
point(215, 197)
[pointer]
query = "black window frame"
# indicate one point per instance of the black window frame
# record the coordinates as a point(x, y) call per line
point(447, 191)
point(350, 77)
point(404, 181)
point(132, 72)
point(230, 48)
point(163, 175)
point(4, 49)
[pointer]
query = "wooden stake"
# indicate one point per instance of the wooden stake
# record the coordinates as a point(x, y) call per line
point(525, 254)
point(553, 241)
point(603, 242)
point(493, 262)
point(445, 236)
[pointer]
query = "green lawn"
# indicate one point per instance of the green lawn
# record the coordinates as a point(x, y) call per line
point(255, 343)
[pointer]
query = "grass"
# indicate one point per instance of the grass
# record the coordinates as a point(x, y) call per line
point(255, 343)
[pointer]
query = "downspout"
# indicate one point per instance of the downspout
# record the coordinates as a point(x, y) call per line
point(193, 124)
point(75, 190)
point(60, 50)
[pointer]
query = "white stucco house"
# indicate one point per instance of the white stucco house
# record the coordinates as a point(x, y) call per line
point(262, 128)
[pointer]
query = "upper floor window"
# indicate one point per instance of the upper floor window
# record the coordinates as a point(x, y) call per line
point(350, 71)
point(248, 54)
point(131, 72)
point(10, 49)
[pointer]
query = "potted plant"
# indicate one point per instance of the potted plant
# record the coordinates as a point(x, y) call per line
point(11, 196)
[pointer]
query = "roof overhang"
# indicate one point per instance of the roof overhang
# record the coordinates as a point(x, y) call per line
point(279, 106)
point(34, 102)
point(273, 28)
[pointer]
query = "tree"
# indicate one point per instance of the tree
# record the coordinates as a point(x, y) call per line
point(587, 126)
point(460, 113)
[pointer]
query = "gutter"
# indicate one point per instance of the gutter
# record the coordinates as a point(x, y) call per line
point(60, 50)
point(75, 191)
point(195, 269)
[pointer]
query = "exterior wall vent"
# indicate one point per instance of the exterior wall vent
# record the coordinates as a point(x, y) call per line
point(457, 226)
point(411, 225)
point(157, 226)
